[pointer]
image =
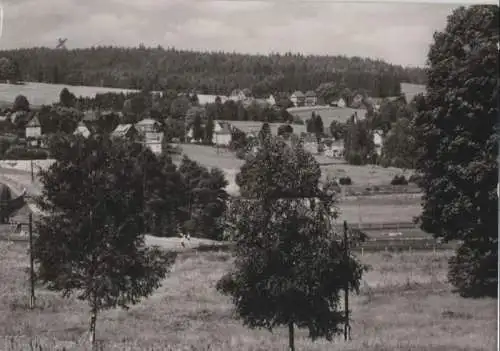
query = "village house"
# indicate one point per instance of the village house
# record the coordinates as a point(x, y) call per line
point(125, 131)
point(310, 98)
point(150, 130)
point(338, 103)
point(222, 135)
point(34, 131)
point(298, 98)
point(82, 130)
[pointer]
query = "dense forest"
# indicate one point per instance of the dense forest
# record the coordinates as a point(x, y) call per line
point(207, 72)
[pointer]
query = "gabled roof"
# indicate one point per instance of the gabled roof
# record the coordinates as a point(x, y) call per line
point(147, 122)
point(34, 122)
point(122, 130)
point(310, 93)
point(298, 93)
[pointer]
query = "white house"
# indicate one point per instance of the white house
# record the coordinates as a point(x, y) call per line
point(310, 98)
point(222, 133)
point(150, 129)
point(82, 129)
point(378, 141)
point(339, 103)
point(34, 129)
point(298, 98)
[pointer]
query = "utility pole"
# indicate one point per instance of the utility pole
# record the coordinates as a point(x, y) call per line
point(347, 327)
point(32, 270)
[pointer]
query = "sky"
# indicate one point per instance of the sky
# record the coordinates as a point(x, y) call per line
point(399, 33)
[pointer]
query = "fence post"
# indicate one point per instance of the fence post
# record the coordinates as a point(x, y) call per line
point(346, 287)
point(32, 271)
point(362, 252)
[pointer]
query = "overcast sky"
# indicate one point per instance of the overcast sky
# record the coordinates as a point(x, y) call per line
point(396, 32)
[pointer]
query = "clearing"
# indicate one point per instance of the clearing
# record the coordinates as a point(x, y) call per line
point(45, 94)
point(405, 304)
point(327, 113)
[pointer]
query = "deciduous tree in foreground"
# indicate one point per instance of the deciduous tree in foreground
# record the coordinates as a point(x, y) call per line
point(91, 243)
point(458, 131)
point(289, 269)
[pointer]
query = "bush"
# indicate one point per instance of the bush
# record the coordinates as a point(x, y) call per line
point(22, 153)
point(241, 154)
point(415, 179)
point(355, 159)
point(473, 271)
point(399, 180)
point(345, 181)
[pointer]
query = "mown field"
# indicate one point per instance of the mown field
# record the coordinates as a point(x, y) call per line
point(327, 113)
point(405, 304)
point(45, 94)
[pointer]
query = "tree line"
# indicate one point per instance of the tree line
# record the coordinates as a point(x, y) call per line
point(205, 72)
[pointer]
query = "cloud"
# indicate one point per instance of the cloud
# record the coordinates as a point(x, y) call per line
point(398, 33)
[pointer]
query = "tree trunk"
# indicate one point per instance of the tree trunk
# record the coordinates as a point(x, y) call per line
point(93, 320)
point(291, 337)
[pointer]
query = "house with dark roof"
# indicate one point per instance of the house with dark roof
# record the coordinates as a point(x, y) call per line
point(311, 99)
point(125, 131)
point(298, 98)
point(33, 131)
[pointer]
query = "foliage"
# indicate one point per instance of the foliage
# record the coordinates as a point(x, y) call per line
point(66, 98)
point(205, 200)
point(399, 180)
point(337, 130)
point(345, 180)
point(208, 73)
point(25, 153)
point(287, 263)
point(209, 130)
point(55, 119)
point(91, 243)
point(458, 139)
point(399, 146)
point(285, 130)
point(358, 140)
point(21, 103)
point(9, 70)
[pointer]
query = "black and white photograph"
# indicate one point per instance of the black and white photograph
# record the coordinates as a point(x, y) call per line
point(233, 175)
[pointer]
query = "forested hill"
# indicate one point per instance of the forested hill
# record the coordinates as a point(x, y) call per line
point(207, 72)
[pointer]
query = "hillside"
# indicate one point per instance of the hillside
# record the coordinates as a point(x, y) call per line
point(208, 73)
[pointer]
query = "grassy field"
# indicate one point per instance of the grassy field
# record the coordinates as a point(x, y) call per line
point(410, 90)
point(405, 304)
point(45, 94)
point(327, 113)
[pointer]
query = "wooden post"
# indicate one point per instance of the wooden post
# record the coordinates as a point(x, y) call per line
point(32, 175)
point(291, 337)
point(346, 286)
point(32, 271)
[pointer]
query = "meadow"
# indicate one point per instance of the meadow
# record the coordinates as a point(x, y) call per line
point(45, 94)
point(405, 303)
point(327, 113)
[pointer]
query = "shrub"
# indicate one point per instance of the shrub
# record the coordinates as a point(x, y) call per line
point(399, 180)
point(298, 120)
point(415, 179)
point(23, 153)
point(345, 181)
point(355, 159)
point(241, 154)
